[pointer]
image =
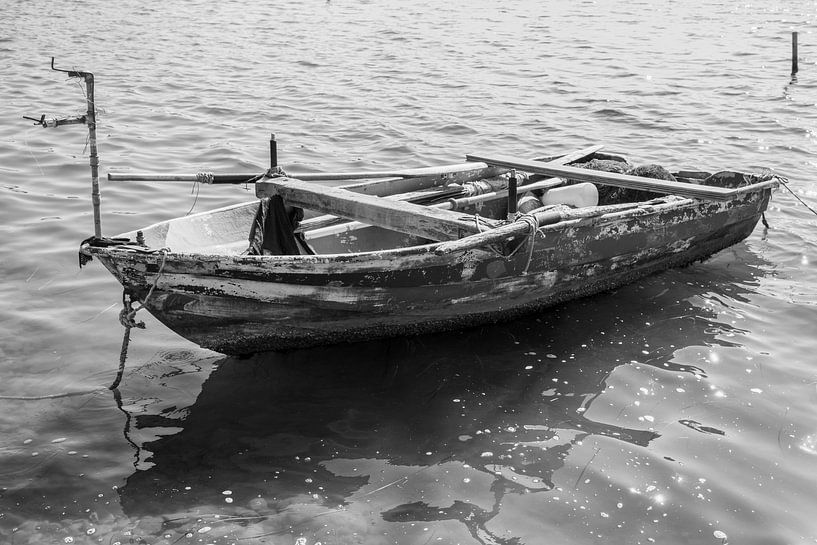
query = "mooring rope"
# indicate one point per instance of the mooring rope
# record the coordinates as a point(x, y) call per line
point(28, 149)
point(128, 313)
point(163, 251)
point(128, 321)
point(127, 317)
point(195, 188)
point(201, 178)
point(785, 183)
point(534, 228)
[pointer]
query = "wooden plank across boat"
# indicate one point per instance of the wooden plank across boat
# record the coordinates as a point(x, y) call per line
point(421, 250)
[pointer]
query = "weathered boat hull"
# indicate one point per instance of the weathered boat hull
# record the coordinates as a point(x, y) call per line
point(244, 304)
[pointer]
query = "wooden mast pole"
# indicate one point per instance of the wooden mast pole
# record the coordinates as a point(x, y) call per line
point(90, 120)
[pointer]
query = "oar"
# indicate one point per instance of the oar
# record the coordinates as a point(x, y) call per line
point(318, 227)
point(250, 177)
point(620, 180)
point(451, 204)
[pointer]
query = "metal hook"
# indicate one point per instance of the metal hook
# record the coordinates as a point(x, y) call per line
point(36, 121)
point(71, 73)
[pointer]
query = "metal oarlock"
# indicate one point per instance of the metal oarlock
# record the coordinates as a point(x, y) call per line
point(88, 119)
point(512, 194)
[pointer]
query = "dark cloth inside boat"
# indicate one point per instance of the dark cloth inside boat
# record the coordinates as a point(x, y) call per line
point(273, 229)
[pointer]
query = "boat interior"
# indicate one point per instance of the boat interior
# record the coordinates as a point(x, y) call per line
point(394, 212)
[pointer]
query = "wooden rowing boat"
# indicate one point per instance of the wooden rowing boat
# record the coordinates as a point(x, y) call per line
point(399, 255)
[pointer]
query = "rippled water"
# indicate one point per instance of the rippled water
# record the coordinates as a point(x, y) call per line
point(680, 409)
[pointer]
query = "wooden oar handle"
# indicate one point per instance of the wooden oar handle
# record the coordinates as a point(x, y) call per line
point(204, 177)
point(451, 172)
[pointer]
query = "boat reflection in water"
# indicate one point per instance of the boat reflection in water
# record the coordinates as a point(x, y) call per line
point(394, 440)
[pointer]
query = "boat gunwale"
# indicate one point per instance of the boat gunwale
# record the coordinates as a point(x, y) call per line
point(613, 213)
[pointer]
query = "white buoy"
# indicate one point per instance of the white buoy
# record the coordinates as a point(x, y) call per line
point(576, 195)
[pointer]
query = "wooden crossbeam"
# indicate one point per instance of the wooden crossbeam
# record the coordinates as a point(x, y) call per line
point(412, 219)
point(610, 178)
point(462, 175)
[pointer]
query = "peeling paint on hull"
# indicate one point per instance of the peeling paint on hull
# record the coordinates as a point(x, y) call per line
point(244, 304)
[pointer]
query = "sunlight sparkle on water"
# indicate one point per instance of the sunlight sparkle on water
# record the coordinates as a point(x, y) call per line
point(692, 327)
point(809, 444)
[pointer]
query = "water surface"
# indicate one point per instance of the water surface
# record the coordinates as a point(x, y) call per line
point(679, 409)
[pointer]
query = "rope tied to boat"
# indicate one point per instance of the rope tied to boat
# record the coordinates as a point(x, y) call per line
point(130, 315)
point(785, 183)
point(480, 222)
point(530, 239)
point(205, 177)
point(533, 230)
point(274, 172)
point(127, 317)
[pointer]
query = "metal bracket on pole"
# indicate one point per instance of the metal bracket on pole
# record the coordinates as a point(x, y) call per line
point(88, 119)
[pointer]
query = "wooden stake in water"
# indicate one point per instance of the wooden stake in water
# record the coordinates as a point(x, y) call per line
point(793, 53)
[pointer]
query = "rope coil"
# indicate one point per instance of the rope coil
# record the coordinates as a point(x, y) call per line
point(205, 177)
point(274, 172)
point(533, 230)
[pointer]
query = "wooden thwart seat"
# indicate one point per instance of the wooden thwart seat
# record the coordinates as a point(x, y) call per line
point(404, 217)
